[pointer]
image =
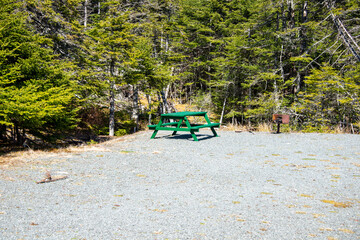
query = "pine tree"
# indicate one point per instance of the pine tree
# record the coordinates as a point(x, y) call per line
point(110, 50)
point(329, 99)
point(36, 95)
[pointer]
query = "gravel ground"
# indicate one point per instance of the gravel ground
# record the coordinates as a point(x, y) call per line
point(236, 186)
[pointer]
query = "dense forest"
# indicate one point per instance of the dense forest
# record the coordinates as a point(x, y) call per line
point(108, 67)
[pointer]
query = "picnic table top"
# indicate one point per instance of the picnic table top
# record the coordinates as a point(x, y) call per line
point(183, 114)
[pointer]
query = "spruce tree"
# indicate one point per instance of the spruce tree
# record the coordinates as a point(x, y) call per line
point(36, 94)
point(110, 46)
point(330, 99)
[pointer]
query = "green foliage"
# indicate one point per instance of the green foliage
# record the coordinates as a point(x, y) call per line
point(125, 124)
point(36, 92)
point(329, 98)
point(92, 142)
point(233, 114)
point(248, 58)
point(121, 132)
point(203, 101)
point(110, 44)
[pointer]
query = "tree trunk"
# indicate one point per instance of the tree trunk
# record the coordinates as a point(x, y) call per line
point(277, 21)
point(12, 136)
point(347, 38)
point(85, 13)
point(149, 102)
point(112, 100)
point(291, 13)
point(135, 111)
point(303, 29)
point(224, 104)
point(164, 96)
point(223, 110)
point(2, 131)
point(303, 47)
point(16, 133)
point(283, 17)
point(281, 63)
point(112, 110)
point(160, 108)
point(18, 136)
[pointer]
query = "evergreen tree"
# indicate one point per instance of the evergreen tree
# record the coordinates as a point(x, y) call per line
point(36, 94)
point(111, 55)
point(246, 59)
point(203, 35)
point(329, 99)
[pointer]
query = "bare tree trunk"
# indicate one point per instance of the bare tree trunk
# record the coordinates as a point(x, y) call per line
point(149, 102)
point(155, 44)
point(112, 100)
point(277, 21)
point(281, 64)
point(347, 38)
point(112, 110)
point(303, 45)
point(167, 43)
point(291, 13)
point(224, 105)
point(85, 13)
point(135, 112)
point(161, 108)
point(223, 110)
point(283, 17)
point(303, 29)
point(164, 96)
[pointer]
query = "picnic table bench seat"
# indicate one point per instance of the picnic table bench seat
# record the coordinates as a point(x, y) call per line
point(209, 125)
point(193, 126)
point(164, 124)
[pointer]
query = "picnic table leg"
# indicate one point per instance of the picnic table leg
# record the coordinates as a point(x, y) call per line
point(191, 131)
point(212, 128)
point(207, 118)
point(194, 136)
point(156, 131)
point(178, 126)
point(154, 134)
point(214, 132)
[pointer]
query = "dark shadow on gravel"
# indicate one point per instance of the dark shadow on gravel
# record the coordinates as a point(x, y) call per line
point(200, 137)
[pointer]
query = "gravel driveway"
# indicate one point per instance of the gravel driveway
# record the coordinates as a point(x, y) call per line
point(236, 186)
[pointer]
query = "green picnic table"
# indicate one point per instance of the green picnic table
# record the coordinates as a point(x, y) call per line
point(181, 123)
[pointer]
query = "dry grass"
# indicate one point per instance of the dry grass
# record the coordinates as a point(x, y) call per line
point(342, 130)
point(285, 128)
point(264, 127)
point(235, 127)
point(29, 156)
point(14, 159)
